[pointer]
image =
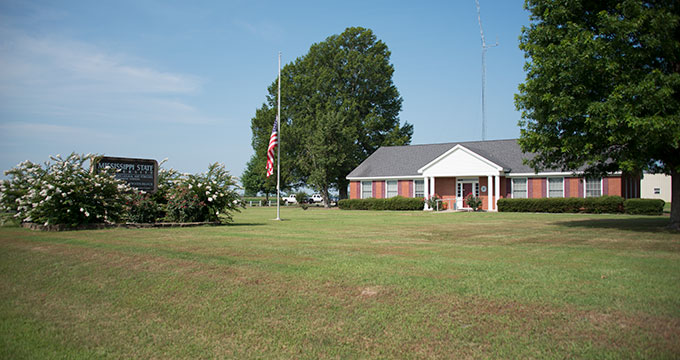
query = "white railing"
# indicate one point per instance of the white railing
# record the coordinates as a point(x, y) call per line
point(260, 202)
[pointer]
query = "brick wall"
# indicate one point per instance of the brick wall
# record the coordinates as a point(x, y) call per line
point(405, 188)
point(355, 189)
point(445, 186)
point(537, 188)
point(379, 189)
point(612, 185)
point(446, 189)
point(484, 195)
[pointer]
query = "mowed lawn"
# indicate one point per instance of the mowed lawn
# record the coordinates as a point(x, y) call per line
point(347, 284)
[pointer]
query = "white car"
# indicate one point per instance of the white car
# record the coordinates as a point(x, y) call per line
point(290, 199)
point(316, 198)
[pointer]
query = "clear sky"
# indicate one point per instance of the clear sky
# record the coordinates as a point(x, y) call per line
point(181, 80)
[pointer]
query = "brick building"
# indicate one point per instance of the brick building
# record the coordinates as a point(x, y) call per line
point(488, 169)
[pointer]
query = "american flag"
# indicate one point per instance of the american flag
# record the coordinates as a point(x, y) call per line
point(273, 141)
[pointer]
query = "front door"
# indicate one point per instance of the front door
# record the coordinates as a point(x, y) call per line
point(465, 187)
point(467, 190)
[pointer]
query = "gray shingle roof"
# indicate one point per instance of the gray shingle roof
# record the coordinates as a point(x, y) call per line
point(406, 160)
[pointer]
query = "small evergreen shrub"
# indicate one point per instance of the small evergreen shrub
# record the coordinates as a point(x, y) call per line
point(594, 205)
point(395, 203)
point(301, 197)
point(644, 206)
point(603, 205)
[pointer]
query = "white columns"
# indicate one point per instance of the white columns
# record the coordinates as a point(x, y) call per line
point(493, 189)
point(426, 182)
point(489, 197)
point(497, 192)
point(432, 189)
point(429, 189)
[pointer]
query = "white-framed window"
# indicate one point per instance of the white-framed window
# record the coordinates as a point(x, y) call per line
point(366, 189)
point(419, 190)
point(555, 187)
point(657, 191)
point(459, 190)
point(391, 186)
point(519, 188)
point(476, 189)
point(593, 187)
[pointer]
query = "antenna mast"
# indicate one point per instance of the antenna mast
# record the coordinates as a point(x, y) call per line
point(484, 47)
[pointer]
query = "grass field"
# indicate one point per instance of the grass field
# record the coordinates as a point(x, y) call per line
point(341, 284)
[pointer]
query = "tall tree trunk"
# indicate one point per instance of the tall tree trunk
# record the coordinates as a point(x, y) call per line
point(675, 200)
point(326, 197)
point(342, 188)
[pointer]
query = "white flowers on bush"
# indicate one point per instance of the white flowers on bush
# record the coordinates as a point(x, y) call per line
point(66, 192)
point(48, 194)
point(202, 197)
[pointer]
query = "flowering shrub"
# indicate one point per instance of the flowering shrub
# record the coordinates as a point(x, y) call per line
point(149, 208)
point(203, 197)
point(432, 201)
point(144, 208)
point(167, 179)
point(63, 192)
point(21, 179)
point(473, 202)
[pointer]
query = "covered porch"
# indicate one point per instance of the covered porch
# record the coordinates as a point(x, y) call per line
point(460, 172)
point(453, 190)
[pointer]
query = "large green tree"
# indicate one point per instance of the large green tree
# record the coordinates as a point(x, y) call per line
point(346, 77)
point(603, 87)
point(325, 152)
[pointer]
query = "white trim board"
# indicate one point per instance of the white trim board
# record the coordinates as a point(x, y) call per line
point(468, 163)
point(549, 174)
point(381, 178)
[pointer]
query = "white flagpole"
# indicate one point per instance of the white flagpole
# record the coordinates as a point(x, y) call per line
point(278, 148)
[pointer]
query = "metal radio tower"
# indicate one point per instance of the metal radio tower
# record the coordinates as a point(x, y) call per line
point(484, 47)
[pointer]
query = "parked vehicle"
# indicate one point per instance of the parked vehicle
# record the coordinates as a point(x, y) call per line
point(316, 198)
point(290, 199)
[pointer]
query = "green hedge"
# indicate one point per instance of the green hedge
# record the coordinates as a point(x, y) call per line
point(594, 205)
point(644, 206)
point(395, 203)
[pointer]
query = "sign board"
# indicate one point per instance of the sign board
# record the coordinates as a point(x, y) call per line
point(141, 174)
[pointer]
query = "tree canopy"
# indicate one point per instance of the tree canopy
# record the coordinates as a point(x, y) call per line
point(603, 87)
point(338, 105)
